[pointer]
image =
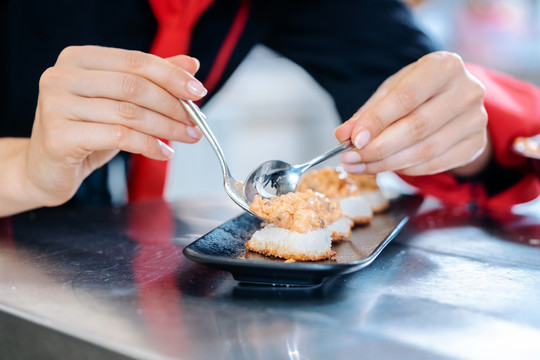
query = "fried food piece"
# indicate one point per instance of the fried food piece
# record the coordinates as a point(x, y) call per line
point(299, 212)
point(274, 241)
point(300, 226)
point(355, 193)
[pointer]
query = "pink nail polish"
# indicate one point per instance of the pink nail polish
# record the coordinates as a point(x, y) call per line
point(361, 139)
point(356, 168)
point(351, 157)
point(166, 149)
point(194, 132)
point(196, 88)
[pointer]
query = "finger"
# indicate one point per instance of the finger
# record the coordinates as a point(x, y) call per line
point(427, 119)
point(447, 161)
point(97, 159)
point(91, 137)
point(188, 63)
point(124, 87)
point(343, 132)
point(178, 81)
point(425, 81)
point(108, 111)
point(431, 147)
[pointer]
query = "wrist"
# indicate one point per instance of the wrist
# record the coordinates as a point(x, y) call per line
point(14, 194)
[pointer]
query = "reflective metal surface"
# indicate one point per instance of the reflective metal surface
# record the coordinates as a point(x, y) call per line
point(113, 284)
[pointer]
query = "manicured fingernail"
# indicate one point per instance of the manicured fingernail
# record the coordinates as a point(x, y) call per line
point(198, 63)
point(166, 149)
point(351, 157)
point(196, 88)
point(355, 169)
point(361, 139)
point(194, 132)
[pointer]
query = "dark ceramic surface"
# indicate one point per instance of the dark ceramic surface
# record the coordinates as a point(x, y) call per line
point(224, 248)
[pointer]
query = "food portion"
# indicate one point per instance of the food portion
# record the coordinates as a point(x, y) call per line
point(358, 195)
point(298, 211)
point(300, 226)
point(282, 243)
point(529, 147)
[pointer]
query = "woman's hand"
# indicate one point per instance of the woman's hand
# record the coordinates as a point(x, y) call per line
point(427, 118)
point(96, 101)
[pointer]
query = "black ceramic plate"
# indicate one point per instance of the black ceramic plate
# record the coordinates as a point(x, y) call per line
point(224, 248)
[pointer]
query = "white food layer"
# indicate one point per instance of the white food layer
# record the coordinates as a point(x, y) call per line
point(356, 208)
point(376, 200)
point(275, 241)
point(341, 228)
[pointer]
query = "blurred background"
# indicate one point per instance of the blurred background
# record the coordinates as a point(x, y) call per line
point(272, 109)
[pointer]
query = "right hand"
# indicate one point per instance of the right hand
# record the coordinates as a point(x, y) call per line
point(96, 101)
point(427, 118)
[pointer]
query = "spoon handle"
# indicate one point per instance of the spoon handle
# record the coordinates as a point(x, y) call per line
point(233, 188)
point(346, 145)
point(199, 118)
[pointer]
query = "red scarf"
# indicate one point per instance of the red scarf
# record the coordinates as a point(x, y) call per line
point(176, 19)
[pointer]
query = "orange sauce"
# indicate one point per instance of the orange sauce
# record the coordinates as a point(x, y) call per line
point(299, 212)
point(337, 183)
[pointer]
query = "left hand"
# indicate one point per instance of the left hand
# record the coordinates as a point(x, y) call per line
point(427, 118)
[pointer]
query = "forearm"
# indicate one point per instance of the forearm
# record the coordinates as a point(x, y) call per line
point(14, 196)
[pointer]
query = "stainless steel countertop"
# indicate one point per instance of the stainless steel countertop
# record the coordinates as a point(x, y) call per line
point(109, 283)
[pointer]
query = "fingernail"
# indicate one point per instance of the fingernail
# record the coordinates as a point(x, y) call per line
point(355, 169)
point(361, 139)
point(198, 63)
point(166, 149)
point(196, 88)
point(194, 132)
point(351, 157)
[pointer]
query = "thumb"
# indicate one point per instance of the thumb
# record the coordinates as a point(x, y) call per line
point(343, 131)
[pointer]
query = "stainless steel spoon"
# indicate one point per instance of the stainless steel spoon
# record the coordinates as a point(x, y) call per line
point(233, 187)
point(275, 177)
point(272, 178)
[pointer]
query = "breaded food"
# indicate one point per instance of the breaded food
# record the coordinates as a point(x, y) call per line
point(301, 226)
point(358, 195)
point(376, 200)
point(298, 211)
point(313, 245)
point(341, 229)
point(356, 208)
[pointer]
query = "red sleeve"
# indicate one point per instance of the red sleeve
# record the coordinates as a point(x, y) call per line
point(513, 108)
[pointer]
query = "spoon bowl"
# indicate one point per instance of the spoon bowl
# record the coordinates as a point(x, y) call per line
point(271, 179)
point(275, 177)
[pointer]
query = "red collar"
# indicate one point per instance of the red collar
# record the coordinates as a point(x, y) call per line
point(176, 19)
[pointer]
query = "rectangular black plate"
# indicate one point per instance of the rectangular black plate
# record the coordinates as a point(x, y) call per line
point(224, 248)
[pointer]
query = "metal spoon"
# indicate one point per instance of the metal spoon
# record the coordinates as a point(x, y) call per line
point(233, 187)
point(275, 177)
